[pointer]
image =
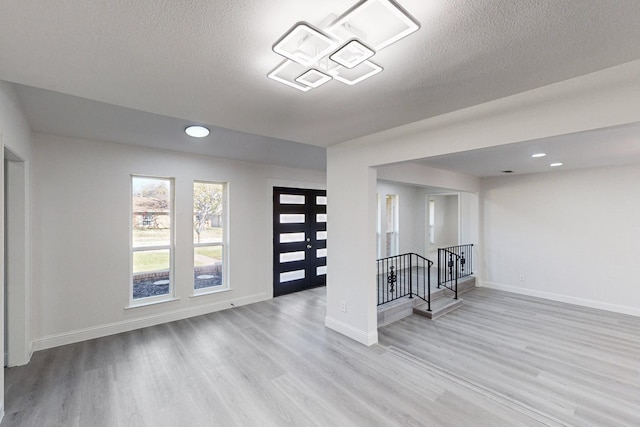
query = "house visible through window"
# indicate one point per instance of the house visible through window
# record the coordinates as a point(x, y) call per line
point(209, 239)
point(152, 238)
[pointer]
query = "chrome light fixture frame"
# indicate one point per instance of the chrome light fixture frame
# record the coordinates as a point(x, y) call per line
point(312, 33)
point(321, 48)
point(367, 53)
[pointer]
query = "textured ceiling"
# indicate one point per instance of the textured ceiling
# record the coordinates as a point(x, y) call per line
point(207, 60)
point(67, 115)
point(614, 146)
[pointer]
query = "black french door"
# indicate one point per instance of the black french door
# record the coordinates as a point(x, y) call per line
point(299, 239)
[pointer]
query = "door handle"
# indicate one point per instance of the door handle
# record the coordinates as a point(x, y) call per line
point(308, 246)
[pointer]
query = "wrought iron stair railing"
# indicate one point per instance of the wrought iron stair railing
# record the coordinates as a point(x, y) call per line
point(454, 263)
point(404, 275)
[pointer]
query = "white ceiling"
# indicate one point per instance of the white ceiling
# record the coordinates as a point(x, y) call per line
point(614, 146)
point(67, 115)
point(206, 61)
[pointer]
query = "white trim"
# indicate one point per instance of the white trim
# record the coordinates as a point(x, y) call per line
point(172, 241)
point(209, 291)
point(99, 331)
point(622, 309)
point(151, 248)
point(224, 244)
point(147, 303)
point(363, 337)
point(204, 245)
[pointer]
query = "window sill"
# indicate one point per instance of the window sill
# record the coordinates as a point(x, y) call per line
point(213, 291)
point(148, 303)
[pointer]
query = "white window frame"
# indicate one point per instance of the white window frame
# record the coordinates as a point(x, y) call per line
point(225, 286)
point(395, 224)
point(431, 220)
point(170, 296)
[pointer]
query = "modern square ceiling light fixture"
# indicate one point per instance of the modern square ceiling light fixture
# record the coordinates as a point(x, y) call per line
point(355, 75)
point(351, 54)
point(304, 44)
point(313, 78)
point(380, 22)
point(340, 48)
point(287, 73)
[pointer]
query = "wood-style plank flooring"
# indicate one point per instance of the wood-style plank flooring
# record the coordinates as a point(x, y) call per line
point(577, 365)
point(500, 360)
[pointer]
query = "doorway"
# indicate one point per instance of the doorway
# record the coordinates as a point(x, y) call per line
point(16, 319)
point(299, 239)
point(388, 222)
point(442, 222)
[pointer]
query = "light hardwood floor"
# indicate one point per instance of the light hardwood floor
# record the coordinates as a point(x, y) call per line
point(576, 365)
point(500, 360)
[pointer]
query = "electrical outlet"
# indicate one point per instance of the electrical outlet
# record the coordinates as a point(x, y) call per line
point(343, 306)
point(522, 277)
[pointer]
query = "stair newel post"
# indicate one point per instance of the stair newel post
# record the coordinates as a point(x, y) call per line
point(429, 264)
point(440, 264)
point(410, 278)
point(457, 268)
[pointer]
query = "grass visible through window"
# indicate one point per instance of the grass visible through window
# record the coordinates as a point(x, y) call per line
point(207, 255)
point(147, 261)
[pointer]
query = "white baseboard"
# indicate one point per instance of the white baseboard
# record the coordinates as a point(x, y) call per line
point(363, 337)
point(141, 322)
point(633, 311)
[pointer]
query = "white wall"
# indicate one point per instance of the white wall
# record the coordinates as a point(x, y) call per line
point(81, 262)
point(456, 217)
point(573, 235)
point(13, 123)
point(411, 219)
point(466, 186)
point(446, 220)
point(15, 134)
point(412, 173)
point(469, 231)
point(592, 101)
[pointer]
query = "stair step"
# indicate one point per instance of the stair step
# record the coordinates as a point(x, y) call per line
point(466, 284)
point(404, 307)
point(439, 307)
point(396, 310)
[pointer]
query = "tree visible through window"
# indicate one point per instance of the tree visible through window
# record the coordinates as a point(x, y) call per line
point(151, 237)
point(208, 236)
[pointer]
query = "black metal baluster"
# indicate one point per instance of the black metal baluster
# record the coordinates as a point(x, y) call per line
point(429, 264)
point(456, 283)
point(410, 277)
point(439, 266)
point(386, 274)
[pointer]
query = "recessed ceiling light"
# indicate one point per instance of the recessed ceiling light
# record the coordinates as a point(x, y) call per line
point(196, 131)
point(539, 155)
point(553, 165)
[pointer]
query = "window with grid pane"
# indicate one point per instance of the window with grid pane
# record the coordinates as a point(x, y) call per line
point(209, 237)
point(152, 239)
